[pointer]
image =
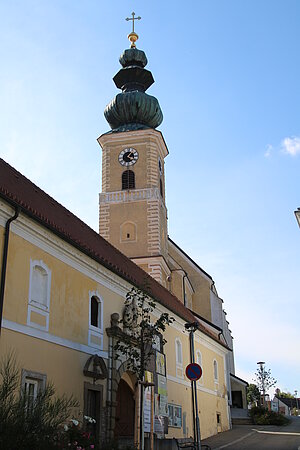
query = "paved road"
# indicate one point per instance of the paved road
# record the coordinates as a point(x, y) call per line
point(247, 437)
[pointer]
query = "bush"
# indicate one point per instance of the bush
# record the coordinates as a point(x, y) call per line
point(38, 424)
point(262, 416)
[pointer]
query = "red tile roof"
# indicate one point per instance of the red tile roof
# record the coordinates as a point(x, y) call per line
point(17, 190)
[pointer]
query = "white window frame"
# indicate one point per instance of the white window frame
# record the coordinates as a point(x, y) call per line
point(179, 358)
point(96, 332)
point(35, 378)
point(199, 361)
point(34, 306)
point(216, 371)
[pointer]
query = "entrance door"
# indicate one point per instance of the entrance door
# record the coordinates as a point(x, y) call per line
point(92, 407)
point(124, 427)
point(237, 399)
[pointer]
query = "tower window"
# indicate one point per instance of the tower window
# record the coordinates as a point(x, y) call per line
point(161, 188)
point(128, 180)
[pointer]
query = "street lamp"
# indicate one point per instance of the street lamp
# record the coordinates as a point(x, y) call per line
point(297, 214)
point(297, 406)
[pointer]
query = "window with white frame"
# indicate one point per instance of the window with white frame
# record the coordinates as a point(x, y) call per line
point(32, 383)
point(178, 353)
point(216, 372)
point(199, 361)
point(95, 337)
point(39, 284)
point(39, 295)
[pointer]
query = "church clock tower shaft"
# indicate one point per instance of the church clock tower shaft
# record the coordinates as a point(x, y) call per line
point(133, 214)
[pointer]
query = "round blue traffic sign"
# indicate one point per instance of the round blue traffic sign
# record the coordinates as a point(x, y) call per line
point(193, 371)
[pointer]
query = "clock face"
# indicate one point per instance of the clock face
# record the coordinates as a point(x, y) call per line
point(128, 157)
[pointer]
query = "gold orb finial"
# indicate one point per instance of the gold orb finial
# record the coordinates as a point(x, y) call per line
point(133, 37)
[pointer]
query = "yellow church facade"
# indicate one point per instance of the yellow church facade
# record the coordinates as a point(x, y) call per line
point(63, 285)
point(51, 281)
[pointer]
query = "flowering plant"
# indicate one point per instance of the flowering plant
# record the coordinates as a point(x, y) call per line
point(75, 435)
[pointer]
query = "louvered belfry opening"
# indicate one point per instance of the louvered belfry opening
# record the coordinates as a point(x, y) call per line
point(128, 180)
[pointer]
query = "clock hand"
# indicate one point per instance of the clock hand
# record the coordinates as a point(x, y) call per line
point(130, 155)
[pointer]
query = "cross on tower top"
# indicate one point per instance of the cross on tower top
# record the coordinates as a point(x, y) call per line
point(133, 18)
point(133, 37)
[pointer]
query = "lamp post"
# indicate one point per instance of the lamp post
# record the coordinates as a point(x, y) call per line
point(297, 214)
point(297, 406)
point(262, 377)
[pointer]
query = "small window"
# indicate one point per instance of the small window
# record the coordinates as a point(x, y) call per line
point(32, 383)
point(128, 232)
point(216, 374)
point(31, 392)
point(128, 180)
point(218, 419)
point(161, 188)
point(95, 312)
point(175, 416)
point(95, 334)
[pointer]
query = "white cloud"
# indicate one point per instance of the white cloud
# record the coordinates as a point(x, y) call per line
point(291, 145)
point(268, 151)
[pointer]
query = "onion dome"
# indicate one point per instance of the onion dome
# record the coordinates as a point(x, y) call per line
point(133, 109)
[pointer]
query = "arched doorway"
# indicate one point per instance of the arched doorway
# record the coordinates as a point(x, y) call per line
point(125, 410)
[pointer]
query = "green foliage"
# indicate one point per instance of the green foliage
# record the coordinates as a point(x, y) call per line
point(262, 416)
point(26, 423)
point(286, 395)
point(136, 344)
point(253, 394)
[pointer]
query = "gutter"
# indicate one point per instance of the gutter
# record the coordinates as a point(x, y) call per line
point(4, 261)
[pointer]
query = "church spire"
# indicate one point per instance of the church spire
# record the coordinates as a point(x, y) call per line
point(133, 109)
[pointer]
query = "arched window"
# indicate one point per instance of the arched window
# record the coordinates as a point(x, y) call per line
point(178, 354)
point(199, 358)
point(128, 231)
point(95, 320)
point(95, 312)
point(39, 295)
point(128, 180)
point(216, 374)
point(199, 361)
point(39, 284)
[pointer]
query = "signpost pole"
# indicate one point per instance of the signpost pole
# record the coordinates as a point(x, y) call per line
point(192, 327)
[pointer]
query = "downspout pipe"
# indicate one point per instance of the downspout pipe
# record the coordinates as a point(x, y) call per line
point(4, 261)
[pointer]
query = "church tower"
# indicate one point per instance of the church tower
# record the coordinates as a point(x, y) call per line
point(133, 214)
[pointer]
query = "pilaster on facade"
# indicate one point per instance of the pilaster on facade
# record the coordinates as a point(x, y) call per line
point(153, 232)
point(105, 170)
point(104, 220)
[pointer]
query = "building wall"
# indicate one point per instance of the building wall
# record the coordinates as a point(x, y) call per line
point(61, 349)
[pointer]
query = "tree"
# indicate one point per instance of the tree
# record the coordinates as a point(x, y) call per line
point(141, 331)
point(286, 395)
point(264, 379)
point(253, 394)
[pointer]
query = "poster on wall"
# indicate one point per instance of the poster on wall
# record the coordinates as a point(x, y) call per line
point(147, 403)
point(147, 409)
point(160, 363)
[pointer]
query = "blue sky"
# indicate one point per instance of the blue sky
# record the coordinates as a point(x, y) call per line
point(227, 79)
